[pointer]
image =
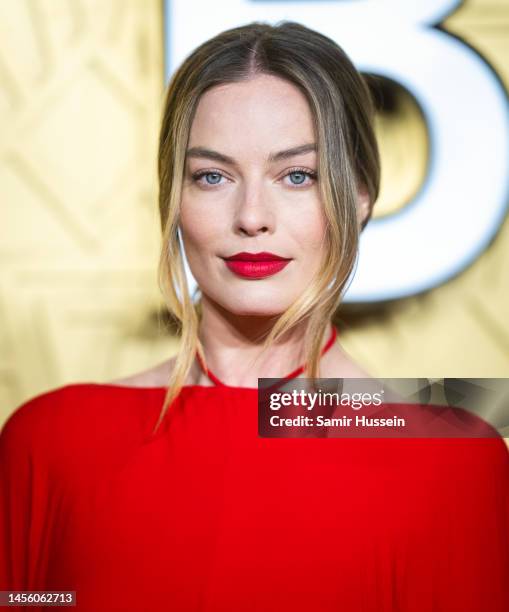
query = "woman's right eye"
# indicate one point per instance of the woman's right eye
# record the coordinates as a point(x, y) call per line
point(210, 178)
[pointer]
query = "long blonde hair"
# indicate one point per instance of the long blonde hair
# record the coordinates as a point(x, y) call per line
point(348, 157)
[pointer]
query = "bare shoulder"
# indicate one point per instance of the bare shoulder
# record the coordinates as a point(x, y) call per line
point(337, 363)
point(156, 376)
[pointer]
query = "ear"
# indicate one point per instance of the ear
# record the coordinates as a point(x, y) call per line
point(363, 204)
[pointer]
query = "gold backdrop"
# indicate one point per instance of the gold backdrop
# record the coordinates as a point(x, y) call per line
point(81, 93)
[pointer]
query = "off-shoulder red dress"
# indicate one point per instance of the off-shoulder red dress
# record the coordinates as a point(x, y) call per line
point(207, 516)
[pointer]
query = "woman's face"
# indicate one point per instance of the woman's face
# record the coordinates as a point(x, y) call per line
point(250, 187)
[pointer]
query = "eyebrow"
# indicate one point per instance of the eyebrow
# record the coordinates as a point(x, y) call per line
point(203, 152)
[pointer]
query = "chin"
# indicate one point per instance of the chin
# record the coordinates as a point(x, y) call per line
point(261, 312)
point(261, 306)
point(253, 310)
point(252, 299)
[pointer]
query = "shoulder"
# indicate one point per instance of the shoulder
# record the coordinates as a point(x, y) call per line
point(338, 363)
point(31, 434)
point(49, 407)
point(34, 416)
point(463, 450)
point(73, 419)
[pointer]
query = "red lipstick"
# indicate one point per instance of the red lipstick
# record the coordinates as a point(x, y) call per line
point(256, 265)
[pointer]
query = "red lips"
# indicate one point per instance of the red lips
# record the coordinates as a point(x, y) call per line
point(256, 265)
point(264, 256)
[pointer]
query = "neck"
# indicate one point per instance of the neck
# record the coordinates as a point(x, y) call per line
point(233, 347)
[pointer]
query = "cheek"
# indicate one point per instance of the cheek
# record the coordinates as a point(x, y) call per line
point(200, 228)
point(308, 230)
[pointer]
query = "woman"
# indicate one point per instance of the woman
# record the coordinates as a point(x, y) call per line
point(155, 492)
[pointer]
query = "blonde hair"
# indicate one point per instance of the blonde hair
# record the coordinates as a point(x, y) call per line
point(348, 157)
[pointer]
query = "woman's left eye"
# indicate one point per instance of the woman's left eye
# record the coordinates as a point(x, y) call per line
point(298, 177)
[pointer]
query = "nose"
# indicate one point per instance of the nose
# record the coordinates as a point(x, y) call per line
point(254, 214)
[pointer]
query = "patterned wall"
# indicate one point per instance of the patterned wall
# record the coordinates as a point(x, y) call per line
point(82, 86)
point(80, 103)
point(460, 329)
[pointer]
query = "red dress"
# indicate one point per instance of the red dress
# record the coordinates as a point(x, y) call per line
point(207, 516)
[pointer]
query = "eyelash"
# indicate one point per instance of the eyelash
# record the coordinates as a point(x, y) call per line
point(310, 173)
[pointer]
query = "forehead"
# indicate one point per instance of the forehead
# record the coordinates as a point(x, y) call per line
point(259, 115)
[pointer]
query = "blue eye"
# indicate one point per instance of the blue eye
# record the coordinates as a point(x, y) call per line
point(211, 178)
point(298, 177)
point(214, 177)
